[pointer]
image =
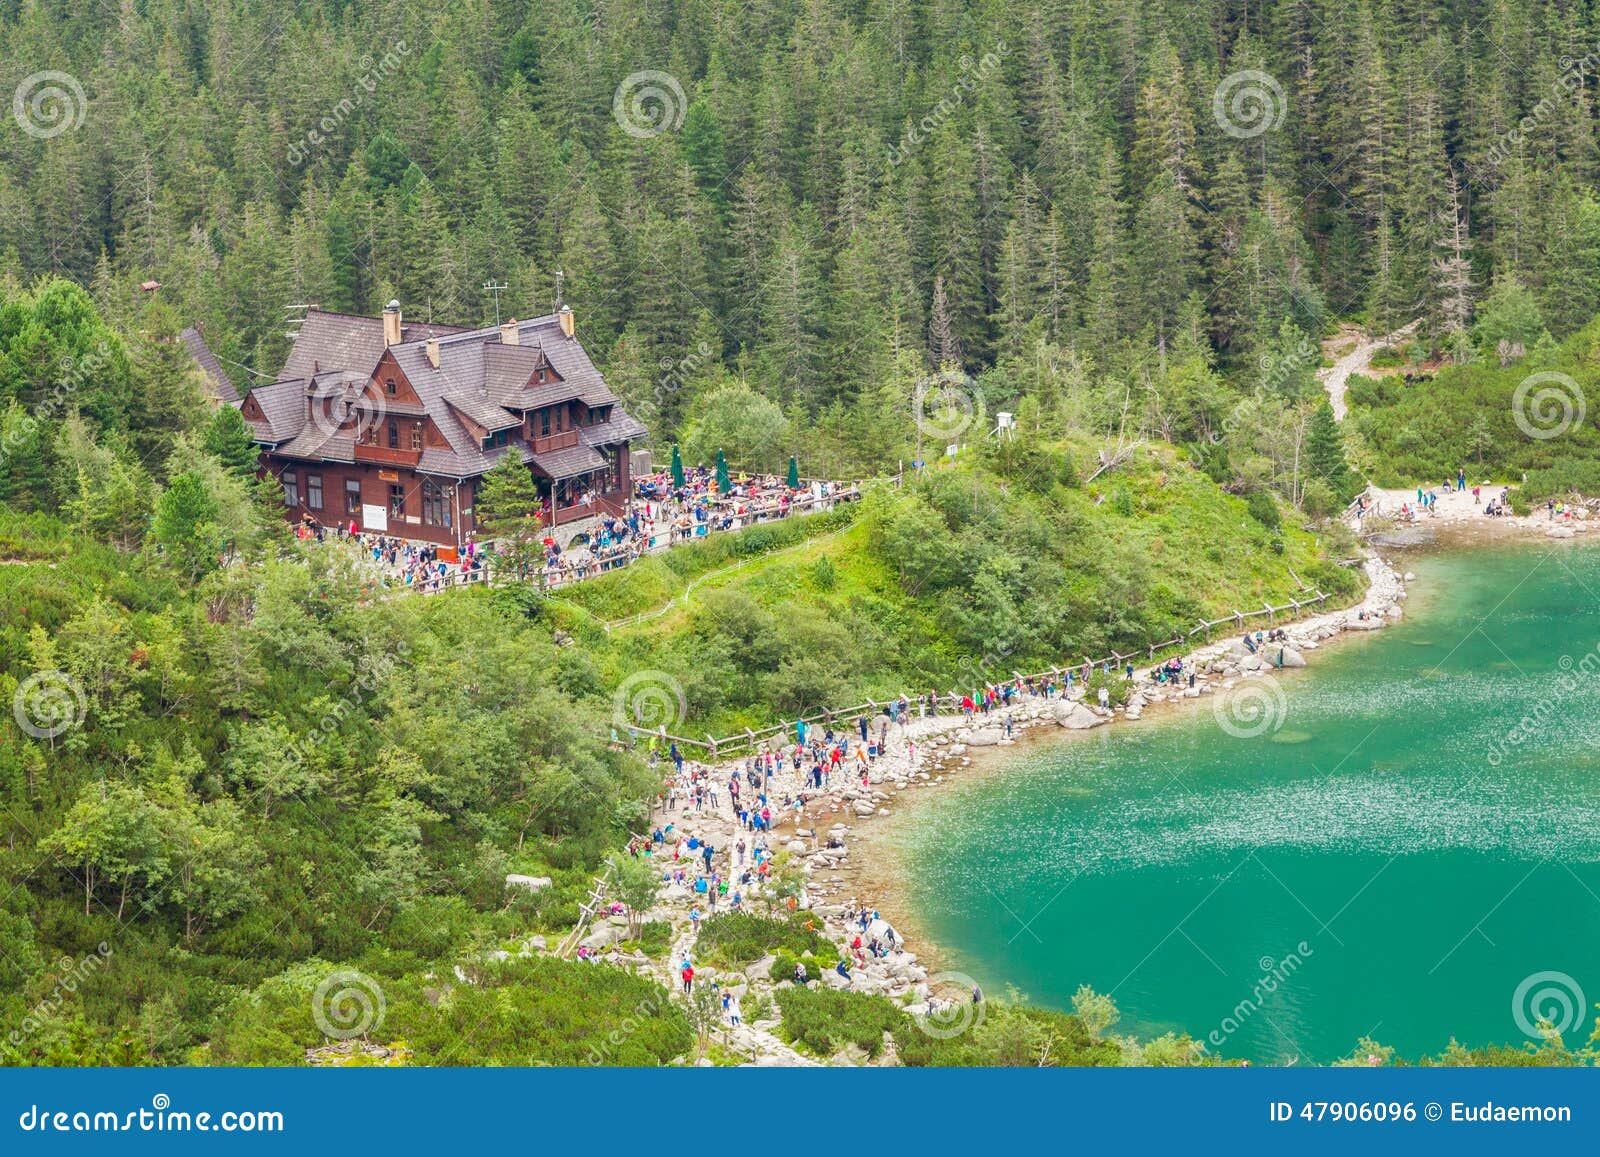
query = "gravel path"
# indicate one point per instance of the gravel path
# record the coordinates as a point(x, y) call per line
point(1335, 378)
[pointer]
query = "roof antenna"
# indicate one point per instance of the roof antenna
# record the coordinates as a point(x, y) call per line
point(495, 288)
point(560, 279)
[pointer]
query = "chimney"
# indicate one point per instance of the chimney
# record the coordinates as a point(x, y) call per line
point(565, 318)
point(432, 350)
point(508, 333)
point(391, 323)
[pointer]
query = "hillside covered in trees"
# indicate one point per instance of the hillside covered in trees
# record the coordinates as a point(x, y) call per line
point(821, 199)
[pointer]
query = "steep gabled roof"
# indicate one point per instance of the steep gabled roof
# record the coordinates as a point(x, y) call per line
point(283, 409)
point(480, 378)
point(216, 379)
point(343, 341)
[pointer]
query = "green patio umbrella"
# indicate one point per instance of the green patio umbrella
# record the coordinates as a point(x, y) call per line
point(722, 473)
point(794, 473)
point(677, 468)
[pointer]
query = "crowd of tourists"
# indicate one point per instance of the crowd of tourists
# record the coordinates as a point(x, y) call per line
point(661, 515)
point(658, 516)
point(402, 563)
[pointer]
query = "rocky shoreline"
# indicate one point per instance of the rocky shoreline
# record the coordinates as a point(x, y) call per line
point(925, 752)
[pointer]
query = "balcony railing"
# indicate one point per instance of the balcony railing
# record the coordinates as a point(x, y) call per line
point(393, 457)
point(545, 443)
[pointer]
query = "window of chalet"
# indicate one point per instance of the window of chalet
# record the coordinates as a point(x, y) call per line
point(434, 512)
point(498, 438)
point(291, 488)
point(314, 491)
point(389, 387)
point(397, 501)
point(352, 496)
point(394, 434)
point(544, 422)
point(416, 436)
point(613, 475)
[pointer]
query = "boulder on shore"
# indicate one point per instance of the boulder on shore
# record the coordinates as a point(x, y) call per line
point(1076, 716)
point(985, 737)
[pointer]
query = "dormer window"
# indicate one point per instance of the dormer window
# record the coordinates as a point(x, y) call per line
point(389, 387)
point(497, 439)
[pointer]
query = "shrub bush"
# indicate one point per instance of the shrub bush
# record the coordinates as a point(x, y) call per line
point(824, 1020)
point(735, 939)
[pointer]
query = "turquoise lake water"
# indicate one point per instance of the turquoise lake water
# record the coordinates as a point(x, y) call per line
point(1380, 860)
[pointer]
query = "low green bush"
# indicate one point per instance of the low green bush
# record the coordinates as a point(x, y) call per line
point(735, 939)
point(825, 1020)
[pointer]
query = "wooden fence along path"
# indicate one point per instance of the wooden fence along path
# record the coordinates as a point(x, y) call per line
point(751, 740)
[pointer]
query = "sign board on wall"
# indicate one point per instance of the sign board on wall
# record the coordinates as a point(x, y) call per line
point(375, 518)
point(389, 475)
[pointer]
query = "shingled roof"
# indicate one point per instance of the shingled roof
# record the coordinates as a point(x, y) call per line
point(486, 377)
point(216, 379)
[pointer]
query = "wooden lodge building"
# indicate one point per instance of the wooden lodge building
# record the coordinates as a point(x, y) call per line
point(390, 424)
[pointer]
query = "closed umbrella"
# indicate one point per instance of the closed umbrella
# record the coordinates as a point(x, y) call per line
point(677, 468)
point(794, 473)
point(722, 473)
